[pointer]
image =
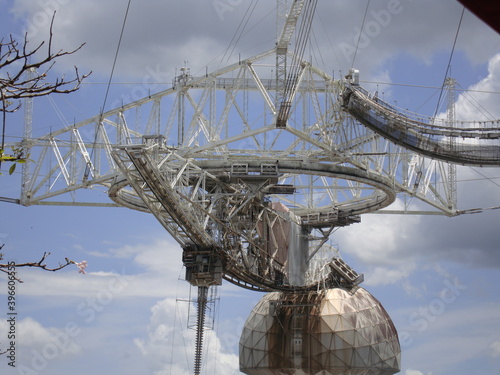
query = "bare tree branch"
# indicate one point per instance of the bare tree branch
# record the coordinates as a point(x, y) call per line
point(16, 84)
point(20, 78)
point(4, 267)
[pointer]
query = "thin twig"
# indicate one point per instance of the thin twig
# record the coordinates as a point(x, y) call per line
point(15, 87)
point(39, 264)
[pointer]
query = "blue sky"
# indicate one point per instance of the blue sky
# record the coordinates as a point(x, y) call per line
point(436, 276)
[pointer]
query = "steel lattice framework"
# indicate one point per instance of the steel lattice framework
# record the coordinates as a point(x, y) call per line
point(210, 163)
point(252, 167)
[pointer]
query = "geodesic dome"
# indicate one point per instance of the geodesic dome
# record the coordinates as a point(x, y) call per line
point(334, 332)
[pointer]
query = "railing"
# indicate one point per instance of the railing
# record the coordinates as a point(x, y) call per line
point(464, 145)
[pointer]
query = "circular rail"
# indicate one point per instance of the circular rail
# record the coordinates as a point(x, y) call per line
point(259, 193)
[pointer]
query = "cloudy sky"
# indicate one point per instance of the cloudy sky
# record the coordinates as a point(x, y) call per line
point(436, 276)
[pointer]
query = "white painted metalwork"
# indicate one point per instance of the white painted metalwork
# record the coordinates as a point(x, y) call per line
point(251, 175)
point(211, 164)
point(325, 167)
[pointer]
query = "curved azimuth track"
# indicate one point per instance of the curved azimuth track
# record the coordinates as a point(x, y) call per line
point(478, 144)
point(236, 190)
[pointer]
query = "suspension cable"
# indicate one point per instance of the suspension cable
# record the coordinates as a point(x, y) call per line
point(116, 57)
point(87, 168)
point(302, 38)
point(449, 62)
point(360, 32)
point(476, 104)
point(243, 24)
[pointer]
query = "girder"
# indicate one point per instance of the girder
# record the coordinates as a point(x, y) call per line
point(223, 178)
point(289, 70)
point(225, 206)
point(253, 195)
point(325, 134)
point(426, 137)
point(282, 101)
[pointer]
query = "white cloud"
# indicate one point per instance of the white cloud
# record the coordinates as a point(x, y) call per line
point(416, 372)
point(37, 347)
point(161, 35)
point(155, 33)
point(170, 347)
point(160, 263)
point(384, 91)
point(169, 34)
point(386, 275)
point(100, 284)
point(160, 256)
point(413, 372)
point(482, 102)
point(379, 239)
point(495, 349)
point(436, 332)
point(401, 32)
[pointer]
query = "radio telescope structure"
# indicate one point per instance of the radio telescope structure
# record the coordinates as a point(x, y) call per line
point(250, 169)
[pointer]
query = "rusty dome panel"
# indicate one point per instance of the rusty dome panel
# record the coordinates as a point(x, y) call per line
point(333, 332)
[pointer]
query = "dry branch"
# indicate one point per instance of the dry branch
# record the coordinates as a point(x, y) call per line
point(40, 264)
point(22, 78)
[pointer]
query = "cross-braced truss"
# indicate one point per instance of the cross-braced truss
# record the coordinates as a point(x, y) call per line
point(210, 162)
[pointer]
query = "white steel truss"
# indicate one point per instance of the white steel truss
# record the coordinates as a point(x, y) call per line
point(218, 173)
point(80, 156)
